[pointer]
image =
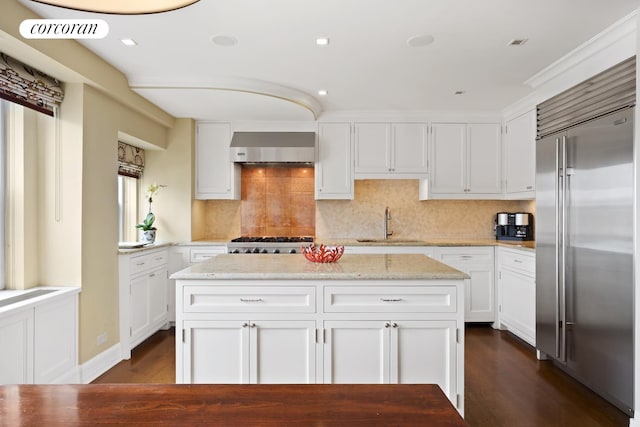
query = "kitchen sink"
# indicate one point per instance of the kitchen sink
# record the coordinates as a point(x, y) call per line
point(387, 241)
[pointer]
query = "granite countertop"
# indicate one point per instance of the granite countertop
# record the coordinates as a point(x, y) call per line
point(296, 267)
point(430, 242)
point(203, 243)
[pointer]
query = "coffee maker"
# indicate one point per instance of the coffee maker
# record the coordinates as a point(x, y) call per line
point(514, 226)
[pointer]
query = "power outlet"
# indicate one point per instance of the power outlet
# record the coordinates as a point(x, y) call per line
point(102, 338)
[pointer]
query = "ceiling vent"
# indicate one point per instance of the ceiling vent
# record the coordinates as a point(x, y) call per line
point(517, 42)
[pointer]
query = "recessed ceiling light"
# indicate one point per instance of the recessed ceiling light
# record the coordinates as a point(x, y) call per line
point(323, 92)
point(420, 40)
point(129, 42)
point(517, 42)
point(222, 40)
point(322, 41)
point(459, 92)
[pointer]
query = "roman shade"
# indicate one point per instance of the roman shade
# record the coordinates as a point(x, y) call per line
point(603, 93)
point(130, 160)
point(29, 87)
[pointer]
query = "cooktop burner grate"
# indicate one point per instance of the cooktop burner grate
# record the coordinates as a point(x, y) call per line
point(274, 239)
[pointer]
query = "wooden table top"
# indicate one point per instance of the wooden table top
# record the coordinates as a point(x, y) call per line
point(226, 405)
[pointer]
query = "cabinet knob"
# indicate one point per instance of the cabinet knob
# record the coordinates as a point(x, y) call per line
point(253, 325)
point(387, 325)
point(395, 325)
point(245, 325)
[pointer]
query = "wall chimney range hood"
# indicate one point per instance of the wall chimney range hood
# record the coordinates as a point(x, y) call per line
point(273, 147)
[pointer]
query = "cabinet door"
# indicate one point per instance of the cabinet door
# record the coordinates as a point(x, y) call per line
point(138, 307)
point(518, 304)
point(409, 153)
point(16, 357)
point(356, 352)
point(217, 176)
point(448, 165)
point(334, 165)
point(158, 305)
point(520, 154)
point(373, 145)
point(216, 352)
point(282, 352)
point(424, 352)
point(484, 159)
point(55, 339)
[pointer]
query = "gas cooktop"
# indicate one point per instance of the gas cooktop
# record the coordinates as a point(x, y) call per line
point(269, 239)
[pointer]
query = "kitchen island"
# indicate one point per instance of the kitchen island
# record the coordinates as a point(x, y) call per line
point(381, 318)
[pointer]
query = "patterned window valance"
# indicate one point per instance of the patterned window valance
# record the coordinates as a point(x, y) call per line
point(27, 86)
point(130, 160)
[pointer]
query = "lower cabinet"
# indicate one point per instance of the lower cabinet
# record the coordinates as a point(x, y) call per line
point(144, 296)
point(478, 263)
point(306, 331)
point(250, 352)
point(391, 352)
point(517, 288)
point(40, 340)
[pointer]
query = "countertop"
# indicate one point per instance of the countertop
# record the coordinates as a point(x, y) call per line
point(296, 267)
point(145, 248)
point(282, 405)
point(430, 242)
point(13, 299)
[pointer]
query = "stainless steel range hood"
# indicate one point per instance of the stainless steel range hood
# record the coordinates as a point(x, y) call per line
point(273, 147)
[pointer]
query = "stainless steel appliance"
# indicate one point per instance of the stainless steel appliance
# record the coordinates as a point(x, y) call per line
point(273, 147)
point(584, 253)
point(267, 245)
point(514, 226)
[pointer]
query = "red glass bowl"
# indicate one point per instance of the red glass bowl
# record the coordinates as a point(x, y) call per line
point(322, 253)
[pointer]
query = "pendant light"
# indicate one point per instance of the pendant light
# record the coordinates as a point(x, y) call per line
point(120, 7)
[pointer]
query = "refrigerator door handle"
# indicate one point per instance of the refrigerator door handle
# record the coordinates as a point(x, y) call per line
point(561, 326)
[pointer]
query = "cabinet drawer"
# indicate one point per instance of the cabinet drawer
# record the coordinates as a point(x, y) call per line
point(203, 254)
point(390, 299)
point(520, 261)
point(147, 261)
point(459, 257)
point(249, 299)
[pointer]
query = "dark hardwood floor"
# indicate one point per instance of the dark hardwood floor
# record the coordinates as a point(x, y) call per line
point(504, 383)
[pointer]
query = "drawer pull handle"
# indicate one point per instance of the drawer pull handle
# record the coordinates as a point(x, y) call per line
point(390, 299)
point(518, 261)
point(251, 300)
point(466, 257)
point(152, 275)
point(139, 264)
point(160, 258)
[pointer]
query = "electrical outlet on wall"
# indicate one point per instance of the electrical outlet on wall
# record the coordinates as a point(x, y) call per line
point(102, 338)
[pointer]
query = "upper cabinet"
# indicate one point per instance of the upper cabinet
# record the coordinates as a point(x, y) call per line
point(466, 161)
point(520, 156)
point(334, 161)
point(217, 177)
point(390, 150)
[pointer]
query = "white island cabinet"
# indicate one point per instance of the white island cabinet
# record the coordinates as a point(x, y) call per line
point(369, 318)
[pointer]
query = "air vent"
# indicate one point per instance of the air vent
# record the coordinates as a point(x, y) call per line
point(517, 42)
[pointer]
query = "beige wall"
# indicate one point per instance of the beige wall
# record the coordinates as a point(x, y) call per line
point(172, 167)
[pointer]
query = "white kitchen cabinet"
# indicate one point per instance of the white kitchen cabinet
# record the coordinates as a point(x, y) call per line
point(250, 352)
point(16, 357)
point(144, 296)
point(217, 177)
point(520, 156)
point(40, 339)
point(517, 290)
point(390, 150)
point(478, 263)
point(388, 249)
point(334, 162)
point(391, 352)
point(466, 161)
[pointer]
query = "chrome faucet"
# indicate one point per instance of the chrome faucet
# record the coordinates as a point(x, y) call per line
point(387, 218)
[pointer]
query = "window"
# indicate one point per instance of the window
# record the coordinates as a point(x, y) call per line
point(127, 208)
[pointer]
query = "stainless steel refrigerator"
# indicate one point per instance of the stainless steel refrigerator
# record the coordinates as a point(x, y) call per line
point(584, 253)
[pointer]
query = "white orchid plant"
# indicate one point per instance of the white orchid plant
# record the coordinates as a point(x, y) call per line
point(147, 224)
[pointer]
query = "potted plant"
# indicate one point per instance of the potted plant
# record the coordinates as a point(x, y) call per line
point(147, 232)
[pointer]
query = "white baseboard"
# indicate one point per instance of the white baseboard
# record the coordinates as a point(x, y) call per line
point(71, 377)
point(634, 422)
point(100, 364)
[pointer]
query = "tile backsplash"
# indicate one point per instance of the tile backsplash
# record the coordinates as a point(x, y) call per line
point(362, 217)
